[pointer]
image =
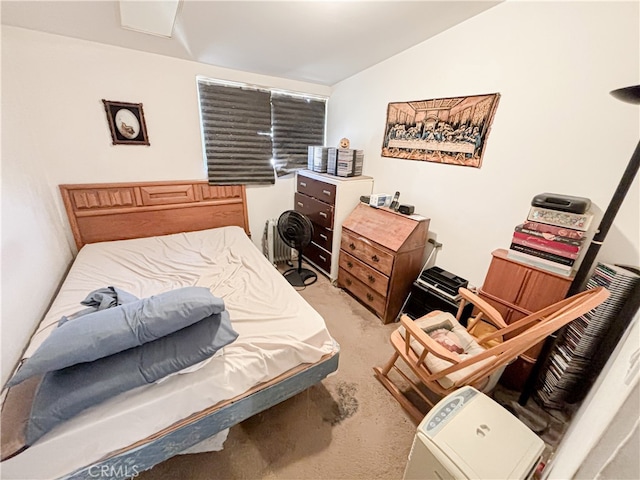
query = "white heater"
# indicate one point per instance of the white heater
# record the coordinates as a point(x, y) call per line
point(467, 435)
point(273, 246)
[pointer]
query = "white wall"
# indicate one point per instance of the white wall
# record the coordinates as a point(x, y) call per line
point(54, 130)
point(556, 128)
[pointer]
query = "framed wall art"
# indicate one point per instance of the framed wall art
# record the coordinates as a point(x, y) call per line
point(126, 121)
point(444, 130)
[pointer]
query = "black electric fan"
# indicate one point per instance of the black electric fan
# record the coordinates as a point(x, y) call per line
point(296, 230)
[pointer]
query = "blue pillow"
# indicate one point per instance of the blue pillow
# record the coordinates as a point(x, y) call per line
point(105, 332)
point(36, 406)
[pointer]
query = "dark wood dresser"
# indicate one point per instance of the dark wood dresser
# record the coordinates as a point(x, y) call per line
point(517, 290)
point(327, 200)
point(381, 254)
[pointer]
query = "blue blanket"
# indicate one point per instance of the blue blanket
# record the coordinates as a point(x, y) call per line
point(118, 328)
point(44, 399)
point(101, 299)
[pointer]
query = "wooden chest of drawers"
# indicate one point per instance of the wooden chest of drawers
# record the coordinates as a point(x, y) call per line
point(381, 254)
point(327, 200)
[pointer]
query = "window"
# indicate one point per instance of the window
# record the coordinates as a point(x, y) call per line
point(251, 134)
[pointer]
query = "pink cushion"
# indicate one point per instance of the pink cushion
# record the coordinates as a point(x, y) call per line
point(445, 329)
point(447, 338)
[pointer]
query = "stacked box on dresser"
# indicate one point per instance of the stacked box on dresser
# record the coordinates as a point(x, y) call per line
point(552, 238)
point(349, 162)
point(342, 162)
point(317, 158)
point(332, 160)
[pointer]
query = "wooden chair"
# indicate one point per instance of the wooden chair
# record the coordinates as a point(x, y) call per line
point(489, 345)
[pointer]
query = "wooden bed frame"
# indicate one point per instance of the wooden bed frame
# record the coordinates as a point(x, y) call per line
point(101, 212)
point(117, 211)
point(169, 442)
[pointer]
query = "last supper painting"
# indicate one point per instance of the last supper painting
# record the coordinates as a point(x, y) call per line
point(443, 130)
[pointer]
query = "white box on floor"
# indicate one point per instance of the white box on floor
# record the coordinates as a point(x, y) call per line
point(467, 435)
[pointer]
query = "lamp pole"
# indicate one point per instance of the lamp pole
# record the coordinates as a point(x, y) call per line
point(606, 222)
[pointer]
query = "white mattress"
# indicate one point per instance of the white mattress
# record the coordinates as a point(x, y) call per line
point(277, 328)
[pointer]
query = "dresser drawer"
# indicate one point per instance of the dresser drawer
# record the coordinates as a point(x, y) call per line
point(322, 237)
point(367, 275)
point(325, 192)
point(317, 211)
point(362, 292)
point(366, 251)
point(318, 256)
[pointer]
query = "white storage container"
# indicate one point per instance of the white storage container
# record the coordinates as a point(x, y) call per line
point(467, 435)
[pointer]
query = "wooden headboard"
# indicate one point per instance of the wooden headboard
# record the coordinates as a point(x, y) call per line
point(100, 212)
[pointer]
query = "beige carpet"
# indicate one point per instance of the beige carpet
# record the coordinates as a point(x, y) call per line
point(347, 427)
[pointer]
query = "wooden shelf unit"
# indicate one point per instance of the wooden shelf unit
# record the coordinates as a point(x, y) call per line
point(516, 290)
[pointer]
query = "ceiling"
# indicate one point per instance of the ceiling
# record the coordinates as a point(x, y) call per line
point(321, 42)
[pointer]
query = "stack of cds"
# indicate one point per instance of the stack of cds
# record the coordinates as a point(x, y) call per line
point(341, 162)
point(572, 357)
point(317, 158)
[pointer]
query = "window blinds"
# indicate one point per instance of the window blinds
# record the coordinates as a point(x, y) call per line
point(236, 126)
point(297, 123)
point(247, 132)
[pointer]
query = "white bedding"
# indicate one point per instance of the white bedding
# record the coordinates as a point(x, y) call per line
point(277, 328)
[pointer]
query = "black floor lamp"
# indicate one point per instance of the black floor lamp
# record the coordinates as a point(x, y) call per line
point(629, 95)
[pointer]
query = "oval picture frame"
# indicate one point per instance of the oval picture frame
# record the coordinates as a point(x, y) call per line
point(126, 122)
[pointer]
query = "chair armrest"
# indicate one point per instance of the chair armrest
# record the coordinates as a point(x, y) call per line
point(487, 312)
point(428, 344)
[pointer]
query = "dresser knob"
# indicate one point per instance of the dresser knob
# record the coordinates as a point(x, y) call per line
point(322, 258)
point(300, 204)
point(322, 214)
point(324, 237)
point(347, 281)
point(371, 278)
point(303, 184)
point(369, 297)
point(349, 264)
point(352, 246)
point(326, 192)
point(375, 258)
